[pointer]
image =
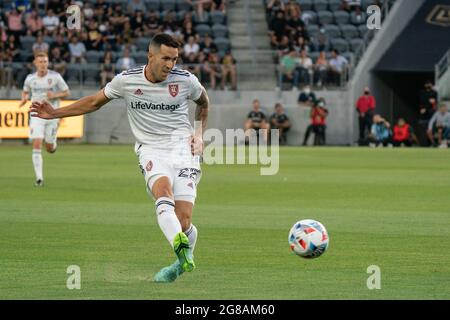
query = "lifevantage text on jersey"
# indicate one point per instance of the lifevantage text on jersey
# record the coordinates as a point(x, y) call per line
point(139, 105)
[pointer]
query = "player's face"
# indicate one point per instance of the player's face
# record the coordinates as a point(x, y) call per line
point(41, 64)
point(162, 61)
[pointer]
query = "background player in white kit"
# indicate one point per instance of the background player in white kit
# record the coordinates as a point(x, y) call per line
point(156, 97)
point(47, 85)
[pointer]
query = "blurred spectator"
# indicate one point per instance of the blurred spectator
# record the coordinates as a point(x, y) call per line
point(318, 126)
point(50, 21)
point(14, 19)
point(338, 65)
point(256, 120)
point(304, 68)
point(358, 17)
point(191, 47)
point(12, 49)
point(273, 7)
point(34, 23)
point(380, 133)
point(192, 64)
point(213, 69)
point(152, 25)
point(219, 5)
point(321, 42)
point(21, 5)
point(125, 62)
point(279, 120)
point(427, 106)
point(301, 44)
point(403, 134)
point(278, 31)
point(288, 65)
point(229, 70)
point(189, 31)
point(349, 5)
point(77, 50)
point(62, 47)
point(56, 61)
point(307, 97)
point(321, 69)
point(294, 24)
point(137, 24)
point(94, 38)
point(5, 69)
point(40, 45)
point(440, 125)
point(366, 107)
point(107, 69)
point(135, 5)
point(207, 45)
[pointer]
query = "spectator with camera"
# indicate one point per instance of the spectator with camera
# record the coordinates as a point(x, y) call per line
point(279, 120)
point(318, 115)
point(439, 126)
point(428, 103)
point(403, 134)
point(380, 133)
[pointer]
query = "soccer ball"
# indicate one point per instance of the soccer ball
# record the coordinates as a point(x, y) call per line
point(308, 238)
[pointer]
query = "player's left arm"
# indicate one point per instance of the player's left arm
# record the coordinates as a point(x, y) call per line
point(201, 117)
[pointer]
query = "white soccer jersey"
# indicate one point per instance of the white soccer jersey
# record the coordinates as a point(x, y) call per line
point(157, 112)
point(39, 86)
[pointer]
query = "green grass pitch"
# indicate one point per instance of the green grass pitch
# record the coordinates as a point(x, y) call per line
point(384, 207)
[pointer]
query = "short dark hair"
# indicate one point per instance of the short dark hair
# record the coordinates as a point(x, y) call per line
point(164, 39)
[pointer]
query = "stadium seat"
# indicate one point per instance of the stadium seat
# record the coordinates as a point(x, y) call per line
point(350, 56)
point(362, 30)
point(168, 5)
point(25, 54)
point(73, 73)
point(325, 17)
point(305, 4)
point(203, 29)
point(222, 44)
point(341, 17)
point(332, 31)
point(313, 29)
point(314, 55)
point(355, 44)
point(197, 20)
point(340, 44)
point(349, 31)
point(27, 42)
point(142, 43)
point(219, 31)
point(94, 56)
point(91, 72)
point(217, 17)
point(309, 17)
point(365, 4)
point(334, 5)
point(182, 5)
point(320, 5)
point(152, 5)
point(140, 57)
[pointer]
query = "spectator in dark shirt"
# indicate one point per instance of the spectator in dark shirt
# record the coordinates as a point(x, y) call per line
point(57, 62)
point(256, 120)
point(207, 45)
point(62, 46)
point(278, 31)
point(427, 107)
point(192, 64)
point(153, 24)
point(279, 120)
point(365, 107)
point(306, 97)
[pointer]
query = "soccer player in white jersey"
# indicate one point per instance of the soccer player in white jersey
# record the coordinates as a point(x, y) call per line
point(48, 85)
point(156, 97)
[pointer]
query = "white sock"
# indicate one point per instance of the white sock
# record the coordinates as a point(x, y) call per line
point(191, 233)
point(167, 219)
point(37, 163)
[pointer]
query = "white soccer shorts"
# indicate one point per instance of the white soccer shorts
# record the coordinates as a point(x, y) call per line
point(44, 129)
point(184, 173)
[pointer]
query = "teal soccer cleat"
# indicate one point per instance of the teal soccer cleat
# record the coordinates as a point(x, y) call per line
point(170, 273)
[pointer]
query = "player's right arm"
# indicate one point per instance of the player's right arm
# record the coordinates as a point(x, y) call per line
point(84, 105)
point(113, 90)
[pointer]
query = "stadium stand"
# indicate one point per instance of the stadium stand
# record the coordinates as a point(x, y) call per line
point(109, 25)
